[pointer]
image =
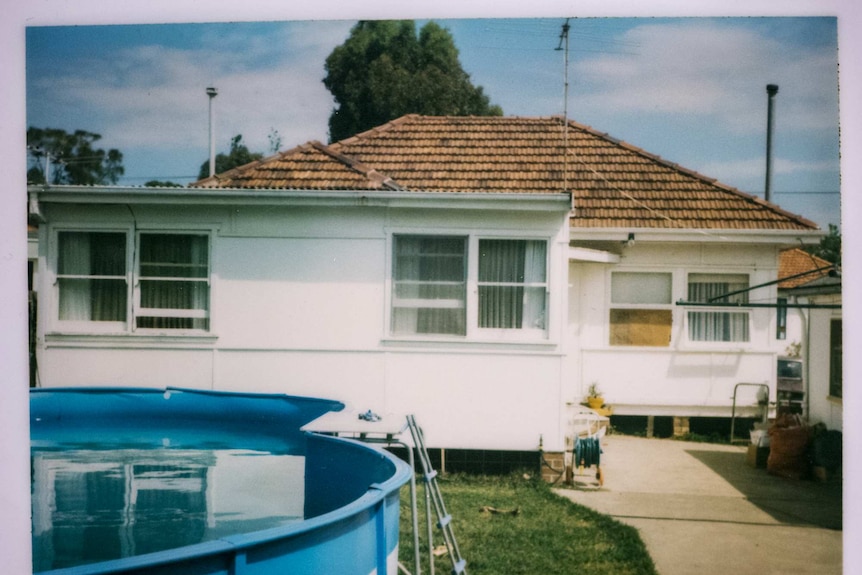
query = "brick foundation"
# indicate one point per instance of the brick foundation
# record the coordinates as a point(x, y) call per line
point(681, 426)
point(554, 467)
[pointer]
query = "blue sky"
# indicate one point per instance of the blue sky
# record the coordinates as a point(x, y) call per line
point(691, 89)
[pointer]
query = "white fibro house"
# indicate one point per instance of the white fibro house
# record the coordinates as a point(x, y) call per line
point(480, 273)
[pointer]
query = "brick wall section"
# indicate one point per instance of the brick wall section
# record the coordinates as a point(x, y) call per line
point(554, 467)
point(680, 426)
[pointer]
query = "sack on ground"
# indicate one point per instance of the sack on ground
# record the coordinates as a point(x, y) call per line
point(789, 440)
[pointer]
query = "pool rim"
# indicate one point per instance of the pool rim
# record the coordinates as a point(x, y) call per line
point(375, 495)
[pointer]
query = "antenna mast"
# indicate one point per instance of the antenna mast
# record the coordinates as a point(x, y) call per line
point(564, 45)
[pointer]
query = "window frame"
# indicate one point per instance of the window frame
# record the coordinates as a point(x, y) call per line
point(836, 357)
point(176, 313)
point(667, 306)
point(742, 309)
point(88, 325)
point(132, 278)
point(473, 333)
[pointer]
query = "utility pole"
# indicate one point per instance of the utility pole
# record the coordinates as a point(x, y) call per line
point(212, 92)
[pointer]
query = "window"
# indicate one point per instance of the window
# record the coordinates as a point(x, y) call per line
point(836, 355)
point(429, 287)
point(168, 289)
point(719, 324)
point(173, 278)
point(507, 280)
point(512, 284)
point(91, 276)
point(781, 318)
point(641, 312)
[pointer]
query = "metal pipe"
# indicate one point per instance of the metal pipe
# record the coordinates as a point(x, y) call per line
point(211, 92)
point(771, 90)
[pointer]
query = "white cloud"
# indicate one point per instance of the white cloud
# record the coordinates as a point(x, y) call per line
point(154, 96)
point(703, 68)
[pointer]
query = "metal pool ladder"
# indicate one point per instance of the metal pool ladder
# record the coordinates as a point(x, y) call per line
point(444, 520)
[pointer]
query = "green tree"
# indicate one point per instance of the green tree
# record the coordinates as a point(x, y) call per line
point(829, 247)
point(71, 158)
point(383, 71)
point(162, 184)
point(239, 156)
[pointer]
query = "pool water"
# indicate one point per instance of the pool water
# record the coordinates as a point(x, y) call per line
point(129, 498)
point(180, 482)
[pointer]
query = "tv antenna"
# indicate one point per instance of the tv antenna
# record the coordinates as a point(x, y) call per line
point(564, 46)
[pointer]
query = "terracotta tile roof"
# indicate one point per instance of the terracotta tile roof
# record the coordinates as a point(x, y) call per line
point(796, 261)
point(613, 184)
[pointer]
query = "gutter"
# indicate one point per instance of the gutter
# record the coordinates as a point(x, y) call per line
point(707, 236)
point(37, 195)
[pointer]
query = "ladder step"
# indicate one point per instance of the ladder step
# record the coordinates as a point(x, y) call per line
point(459, 564)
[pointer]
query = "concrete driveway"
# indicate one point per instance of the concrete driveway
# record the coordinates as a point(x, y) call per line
point(701, 509)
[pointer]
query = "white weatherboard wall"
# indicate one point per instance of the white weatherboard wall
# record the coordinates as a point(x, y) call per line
point(684, 378)
point(822, 407)
point(299, 305)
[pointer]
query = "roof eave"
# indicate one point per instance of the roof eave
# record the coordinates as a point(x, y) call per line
point(744, 236)
point(94, 195)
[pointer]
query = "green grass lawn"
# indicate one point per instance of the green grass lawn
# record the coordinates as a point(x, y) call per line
point(548, 535)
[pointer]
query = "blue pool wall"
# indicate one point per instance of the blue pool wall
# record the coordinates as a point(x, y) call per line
point(352, 489)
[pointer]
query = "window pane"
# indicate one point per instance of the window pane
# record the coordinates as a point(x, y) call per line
point(836, 354)
point(718, 325)
point(512, 284)
point(91, 276)
point(636, 287)
point(174, 255)
point(174, 281)
point(651, 327)
point(708, 287)
point(174, 294)
point(429, 287)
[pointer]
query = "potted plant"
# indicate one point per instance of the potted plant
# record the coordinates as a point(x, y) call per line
point(594, 397)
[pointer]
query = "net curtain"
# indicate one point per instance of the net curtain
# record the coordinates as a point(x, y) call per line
point(717, 325)
point(512, 284)
point(91, 272)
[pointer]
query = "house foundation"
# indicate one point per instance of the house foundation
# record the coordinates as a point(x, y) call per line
point(554, 467)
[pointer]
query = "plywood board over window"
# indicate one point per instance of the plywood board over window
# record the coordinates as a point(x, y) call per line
point(641, 313)
point(644, 327)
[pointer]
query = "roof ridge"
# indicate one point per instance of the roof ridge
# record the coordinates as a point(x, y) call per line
point(354, 164)
point(391, 124)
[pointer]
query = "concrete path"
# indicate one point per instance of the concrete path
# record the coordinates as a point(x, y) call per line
point(701, 509)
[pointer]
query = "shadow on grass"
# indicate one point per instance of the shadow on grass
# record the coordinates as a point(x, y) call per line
point(790, 501)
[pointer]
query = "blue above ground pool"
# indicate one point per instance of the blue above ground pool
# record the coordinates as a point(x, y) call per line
point(190, 482)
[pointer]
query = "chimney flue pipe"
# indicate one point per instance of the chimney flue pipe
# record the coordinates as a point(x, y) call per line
point(211, 92)
point(771, 90)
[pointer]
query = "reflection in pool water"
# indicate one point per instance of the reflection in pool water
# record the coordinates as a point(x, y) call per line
point(93, 505)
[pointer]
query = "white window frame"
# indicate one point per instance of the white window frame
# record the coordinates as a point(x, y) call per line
point(87, 326)
point(132, 278)
point(473, 331)
point(717, 309)
point(139, 311)
point(667, 306)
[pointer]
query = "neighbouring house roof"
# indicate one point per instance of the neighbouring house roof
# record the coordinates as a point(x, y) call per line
point(794, 262)
point(613, 184)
